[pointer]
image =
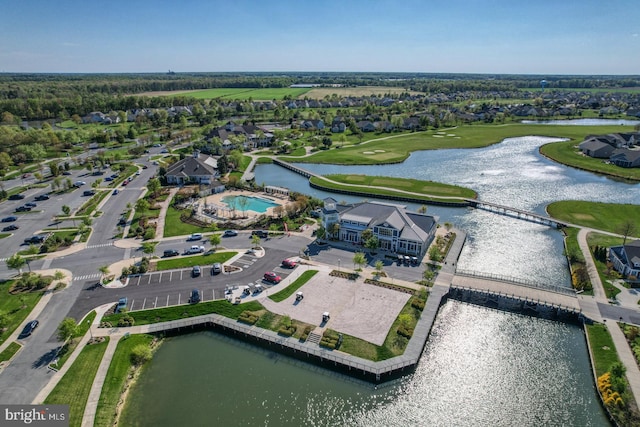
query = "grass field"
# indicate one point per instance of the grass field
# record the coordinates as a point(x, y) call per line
point(116, 378)
point(8, 352)
point(611, 217)
point(566, 153)
point(173, 226)
point(222, 307)
point(604, 351)
point(73, 389)
point(257, 94)
point(190, 261)
point(321, 92)
point(405, 184)
point(396, 148)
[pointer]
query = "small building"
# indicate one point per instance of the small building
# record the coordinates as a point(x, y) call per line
point(626, 259)
point(192, 170)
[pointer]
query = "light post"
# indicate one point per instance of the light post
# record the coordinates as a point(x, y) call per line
point(90, 332)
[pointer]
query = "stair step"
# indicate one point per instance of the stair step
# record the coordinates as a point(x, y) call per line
point(314, 338)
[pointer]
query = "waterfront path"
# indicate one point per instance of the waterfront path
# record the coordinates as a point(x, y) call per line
point(98, 381)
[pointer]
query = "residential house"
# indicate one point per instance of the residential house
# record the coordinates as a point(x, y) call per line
point(397, 230)
point(594, 147)
point(247, 137)
point(626, 259)
point(625, 158)
point(366, 126)
point(312, 125)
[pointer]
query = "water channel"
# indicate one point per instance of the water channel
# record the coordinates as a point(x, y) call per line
point(480, 366)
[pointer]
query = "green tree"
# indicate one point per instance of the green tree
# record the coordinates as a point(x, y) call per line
point(379, 265)
point(67, 329)
point(255, 240)
point(142, 205)
point(16, 262)
point(373, 243)
point(154, 186)
point(104, 270)
point(149, 247)
point(66, 210)
point(422, 209)
point(335, 229)
point(215, 240)
point(359, 259)
point(428, 276)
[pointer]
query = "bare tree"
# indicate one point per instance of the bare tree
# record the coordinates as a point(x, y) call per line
point(627, 228)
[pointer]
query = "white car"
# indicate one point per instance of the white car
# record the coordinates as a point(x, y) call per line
point(195, 249)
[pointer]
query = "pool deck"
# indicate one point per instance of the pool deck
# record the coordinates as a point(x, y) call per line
point(225, 211)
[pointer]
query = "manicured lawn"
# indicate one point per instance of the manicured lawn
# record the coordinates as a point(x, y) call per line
point(4, 235)
point(190, 261)
point(610, 217)
point(395, 148)
point(73, 389)
point(244, 163)
point(9, 351)
point(116, 378)
point(297, 284)
point(16, 307)
point(604, 351)
point(366, 183)
point(173, 226)
point(222, 307)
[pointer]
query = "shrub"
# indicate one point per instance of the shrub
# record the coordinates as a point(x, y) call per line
point(248, 317)
point(305, 333)
point(287, 331)
point(149, 234)
point(405, 331)
point(417, 304)
point(141, 354)
point(126, 320)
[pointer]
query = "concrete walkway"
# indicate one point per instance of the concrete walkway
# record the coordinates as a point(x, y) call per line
point(163, 213)
point(96, 388)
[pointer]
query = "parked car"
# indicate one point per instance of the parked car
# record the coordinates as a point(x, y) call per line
point(122, 304)
point(170, 252)
point(89, 193)
point(230, 233)
point(108, 179)
point(289, 263)
point(42, 197)
point(195, 249)
point(195, 296)
point(195, 236)
point(115, 192)
point(216, 268)
point(31, 205)
point(79, 184)
point(29, 328)
point(9, 218)
point(122, 221)
point(35, 240)
point(97, 173)
point(195, 271)
point(23, 208)
point(10, 227)
point(260, 233)
point(16, 196)
point(66, 173)
point(272, 277)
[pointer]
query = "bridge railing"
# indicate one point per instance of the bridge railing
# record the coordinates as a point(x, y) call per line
point(516, 281)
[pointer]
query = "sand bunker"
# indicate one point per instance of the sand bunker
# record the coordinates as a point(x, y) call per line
point(368, 152)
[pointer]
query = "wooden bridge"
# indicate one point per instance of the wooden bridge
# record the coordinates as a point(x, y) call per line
point(293, 168)
point(526, 294)
point(516, 213)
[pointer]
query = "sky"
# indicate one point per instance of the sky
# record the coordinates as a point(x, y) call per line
point(432, 36)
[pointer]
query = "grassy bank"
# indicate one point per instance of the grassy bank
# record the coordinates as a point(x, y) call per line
point(221, 307)
point(397, 147)
point(70, 346)
point(73, 389)
point(8, 352)
point(611, 217)
point(116, 379)
point(173, 226)
point(566, 153)
point(607, 275)
point(602, 347)
point(427, 190)
point(297, 284)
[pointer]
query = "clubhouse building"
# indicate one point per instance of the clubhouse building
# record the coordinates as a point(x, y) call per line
point(397, 230)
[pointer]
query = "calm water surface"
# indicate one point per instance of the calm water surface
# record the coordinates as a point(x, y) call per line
point(480, 368)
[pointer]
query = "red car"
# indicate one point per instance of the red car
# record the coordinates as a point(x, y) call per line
point(272, 277)
point(289, 263)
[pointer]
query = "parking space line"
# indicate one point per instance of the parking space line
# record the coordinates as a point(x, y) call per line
point(149, 282)
point(155, 303)
point(178, 299)
point(180, 275)
point(160, 279)
point(132, 302)
point(167, 301)
point(170, 276)
point(143, 303)
point(139, 278)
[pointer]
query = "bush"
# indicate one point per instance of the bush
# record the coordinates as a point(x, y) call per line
point(248, 317)
point(141, 354)
point(287, 331)
point(405, 331)
point(149, 234)
point(126, 320)
point(305, 333)
point(417, 304)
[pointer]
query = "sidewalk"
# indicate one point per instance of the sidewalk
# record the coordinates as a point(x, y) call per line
point(96, 388)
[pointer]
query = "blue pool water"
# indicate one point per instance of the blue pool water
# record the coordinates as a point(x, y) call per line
point(255, 204)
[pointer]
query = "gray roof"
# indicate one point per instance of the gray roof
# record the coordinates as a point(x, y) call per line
point(190, 166)
point(632, 250)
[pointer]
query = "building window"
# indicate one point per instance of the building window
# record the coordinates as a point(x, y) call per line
point(385, 232)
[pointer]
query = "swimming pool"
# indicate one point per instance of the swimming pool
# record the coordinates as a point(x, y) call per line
point(256, 204)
